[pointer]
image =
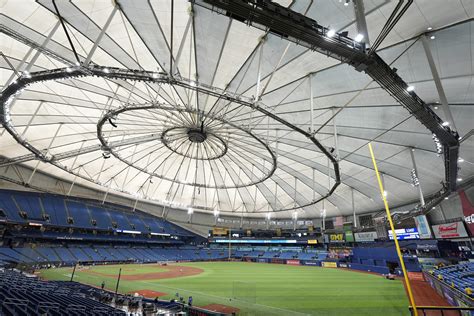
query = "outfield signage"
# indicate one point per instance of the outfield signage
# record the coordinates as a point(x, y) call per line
point(293, 262)
point(312, 241)
point(329, 264)
point(423, 227)
point(257, 241)
point(405, 233)
point(335, 238)
point(451, 230)
point(468, 211)
point(365, 236)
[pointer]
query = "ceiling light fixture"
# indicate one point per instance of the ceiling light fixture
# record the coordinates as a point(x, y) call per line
point(460, 159)
point(410, 88)
point(190, 211)
point(445, 123)
point(432, 37)
point(359, 37)
point(331, 33)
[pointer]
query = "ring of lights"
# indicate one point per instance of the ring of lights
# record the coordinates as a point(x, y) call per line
point(271, 159)
point(16, 87)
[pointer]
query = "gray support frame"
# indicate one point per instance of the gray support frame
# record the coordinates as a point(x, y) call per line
point(361, 24)
point(99, 37)
point(437, 80)
point(412, 155)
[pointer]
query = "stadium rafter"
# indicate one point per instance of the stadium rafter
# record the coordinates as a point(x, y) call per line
point(305, 31)
point(26, 79)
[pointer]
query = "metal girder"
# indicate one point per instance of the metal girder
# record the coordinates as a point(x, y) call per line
point(110, 73)
point(305, 31)
point(80, 151)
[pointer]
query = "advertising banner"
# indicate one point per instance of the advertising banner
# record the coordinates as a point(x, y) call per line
point(348, 232)
point(423, 227)
point(327, 264)
point(310, 263)
point(451, 230)
point(349, 236)
point(312, 241)
point(468, 211)
point(219, 231)
point(365, 236)
point(293, 262)
point(335, 238)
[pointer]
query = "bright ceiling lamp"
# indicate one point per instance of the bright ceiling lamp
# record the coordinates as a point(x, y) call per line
point(216, 213)
point(359, 37)
point(269, 215)
point(331, 33)
point(410, 88)
point(460, 159)
point(190, 211)
point(445, 123)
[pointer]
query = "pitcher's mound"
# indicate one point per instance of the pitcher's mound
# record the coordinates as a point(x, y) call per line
point(149, 293)
point(221, 308)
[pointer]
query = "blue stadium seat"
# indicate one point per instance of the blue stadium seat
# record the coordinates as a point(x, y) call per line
point(80, 214)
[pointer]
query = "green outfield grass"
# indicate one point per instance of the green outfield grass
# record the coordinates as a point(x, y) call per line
point(264, 289)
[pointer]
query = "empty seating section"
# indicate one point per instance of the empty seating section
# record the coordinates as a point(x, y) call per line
point(52, 210)
point(92, 254)
point(101, 218)
point(78, 253)
point(460, 276)
point(120, 220)
point(29, 204)
point(22, 295)
point(137, 222)
point(80, 214)
point(87, 254)
point(65, 255)
point(56, 209)
point(9, 208)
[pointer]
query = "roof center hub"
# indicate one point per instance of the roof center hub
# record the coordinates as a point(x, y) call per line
point(197, 135)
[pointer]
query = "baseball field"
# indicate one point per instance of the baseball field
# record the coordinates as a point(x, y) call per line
point(253, 288)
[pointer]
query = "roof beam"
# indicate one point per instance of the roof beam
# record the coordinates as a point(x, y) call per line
point(307, 32)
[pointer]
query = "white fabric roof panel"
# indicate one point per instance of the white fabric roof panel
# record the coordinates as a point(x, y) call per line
point(214, 50)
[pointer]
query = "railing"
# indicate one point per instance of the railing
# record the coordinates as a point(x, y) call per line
point(441, 310)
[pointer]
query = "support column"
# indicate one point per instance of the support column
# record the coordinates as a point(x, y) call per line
point(45, 42)
point(257, 92)
point(46, 153)
point(311, 103)
point(99, 38)
point(31, 119)
point(17, 70)
point(353, 208)
point(361, 24)
point(434, 72)
point(422, 199)
point(336, 145)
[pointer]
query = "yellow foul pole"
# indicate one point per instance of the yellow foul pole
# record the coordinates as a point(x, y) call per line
point(397, 245)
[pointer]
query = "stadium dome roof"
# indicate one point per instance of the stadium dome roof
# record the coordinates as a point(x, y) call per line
point(191, 140)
